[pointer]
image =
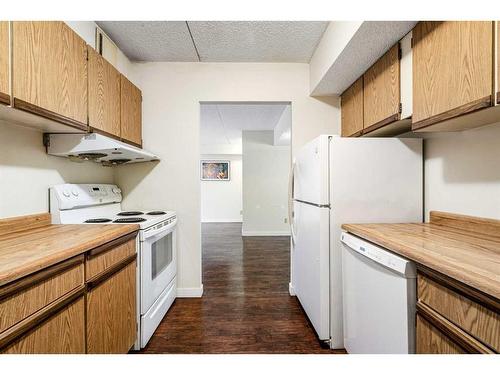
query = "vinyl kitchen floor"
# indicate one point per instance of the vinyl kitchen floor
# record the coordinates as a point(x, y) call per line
point(245, 307)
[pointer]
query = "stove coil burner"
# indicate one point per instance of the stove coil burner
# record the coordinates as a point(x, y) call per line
point(98, 220)
point(157, 213)
point(130, 213)
point(130, 220)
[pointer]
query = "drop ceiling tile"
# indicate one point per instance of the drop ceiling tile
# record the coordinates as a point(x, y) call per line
point(223, 123)
point(256, 41)
point(152, 40)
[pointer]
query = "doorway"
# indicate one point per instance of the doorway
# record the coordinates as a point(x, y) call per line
point(245, 157)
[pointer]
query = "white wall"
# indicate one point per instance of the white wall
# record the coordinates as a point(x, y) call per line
point(171, 129)
point(462, 172)
point(283, 129)
point(221, 201)
point(27, 172)
point(265, 185)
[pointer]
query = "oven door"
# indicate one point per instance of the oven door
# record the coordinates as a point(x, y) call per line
point(158, 263)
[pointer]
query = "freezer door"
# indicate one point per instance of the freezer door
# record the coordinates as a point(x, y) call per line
point(310, 258)
point(311, 172)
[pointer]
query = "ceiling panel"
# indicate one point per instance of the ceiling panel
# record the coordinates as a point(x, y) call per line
point(223, 123)
point(256, 41)
point(216, 41)
point(151, 40)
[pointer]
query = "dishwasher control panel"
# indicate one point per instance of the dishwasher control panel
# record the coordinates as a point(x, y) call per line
point(380, 255)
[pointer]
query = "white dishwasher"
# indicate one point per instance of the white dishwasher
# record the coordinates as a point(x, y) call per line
point(379, 293)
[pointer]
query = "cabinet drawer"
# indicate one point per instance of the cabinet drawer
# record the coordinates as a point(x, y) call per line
point(104, 257)
point(61, 333)
point(477, 320)
point(26, 296)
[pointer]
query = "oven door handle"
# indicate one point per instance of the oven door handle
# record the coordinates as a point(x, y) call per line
point(167, 229)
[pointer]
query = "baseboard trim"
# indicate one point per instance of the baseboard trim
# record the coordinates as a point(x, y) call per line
point(291, 290)
point(246, 233)
point(190, 292)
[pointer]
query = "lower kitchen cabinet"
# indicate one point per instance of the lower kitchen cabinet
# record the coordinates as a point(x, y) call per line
point(111, 310)
point(85, 304)
point(431, 340)
point(62, 332)
point(454, 318)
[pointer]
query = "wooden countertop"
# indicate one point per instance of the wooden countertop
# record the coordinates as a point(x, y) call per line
point(468, 253)
point(26, 251)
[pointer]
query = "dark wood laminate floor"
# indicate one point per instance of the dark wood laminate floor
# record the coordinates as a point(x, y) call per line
point(245, 307)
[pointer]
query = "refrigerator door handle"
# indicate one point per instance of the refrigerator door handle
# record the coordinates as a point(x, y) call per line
point(290, 200)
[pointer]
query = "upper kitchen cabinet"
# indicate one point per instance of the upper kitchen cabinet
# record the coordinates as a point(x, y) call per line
point(498, 62)
point(452, 74)
point(104, 95)
point(4, 62)
point(387, 92)
point(49, 63)
point(352, 110)
point(382, 91)
point(131, 113)
point(379, 103)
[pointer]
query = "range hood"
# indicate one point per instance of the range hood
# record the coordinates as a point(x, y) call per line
point(95, 147)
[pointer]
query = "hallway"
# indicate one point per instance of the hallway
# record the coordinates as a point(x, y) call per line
point(245, 307)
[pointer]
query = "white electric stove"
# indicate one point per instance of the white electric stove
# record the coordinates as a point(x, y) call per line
point(156, 244)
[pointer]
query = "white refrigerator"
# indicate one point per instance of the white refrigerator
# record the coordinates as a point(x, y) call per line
point(345, 180)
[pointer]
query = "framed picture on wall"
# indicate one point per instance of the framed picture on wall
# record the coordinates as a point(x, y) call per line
point(215, 170)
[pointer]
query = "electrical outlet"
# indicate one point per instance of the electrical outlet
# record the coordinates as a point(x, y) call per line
point(241, 212)
point(286, 220)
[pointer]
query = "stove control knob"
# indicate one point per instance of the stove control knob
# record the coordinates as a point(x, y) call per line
point(75, 193)
point(66, 193)
point(116, 190)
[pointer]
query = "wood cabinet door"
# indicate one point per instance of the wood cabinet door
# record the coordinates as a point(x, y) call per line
point(62, 333)
point(381, 91)
point(498, 62)
point(104, 94)
point(352, 110)
point(452, 69)
point(4, 62)
point(131, 112)
point(111, 313)
point(430, 340)
point(50, 71)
